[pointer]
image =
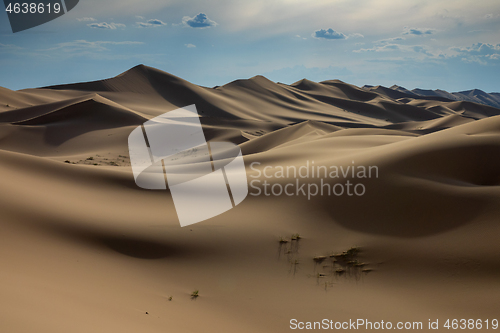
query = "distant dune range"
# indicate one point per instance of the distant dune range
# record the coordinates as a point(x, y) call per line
point(86, 250)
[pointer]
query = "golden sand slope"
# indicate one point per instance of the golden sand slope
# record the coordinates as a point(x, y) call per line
point(85, 250)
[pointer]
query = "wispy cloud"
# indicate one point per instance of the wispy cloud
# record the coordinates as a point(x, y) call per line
point(77, 48)
point(151, 23)
point(421, 51)
point(381, 48)
point(355, 35)
point(199, 21)
point(84, 45)
point(189, 46)
point(105, 25)
point(491, 16)
point(86, 19)
point(389, 40)
point(474, 60)
point(480, 48)
point(418, 31)
point(480, 53)
point(9, 47)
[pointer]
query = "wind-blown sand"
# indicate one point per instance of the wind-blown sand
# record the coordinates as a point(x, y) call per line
point(85, 250)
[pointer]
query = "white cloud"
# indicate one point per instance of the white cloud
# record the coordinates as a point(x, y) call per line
point(86, 19)
point(332, 34)
point(480, 48)
point(81, 45)
point(474, 59)
point(105, 25)
point(77, 48)
point(328, 34)
point(355, 35)
point(389, 40)
point(479, 53)
point(418, 31)
point(381, 48)
point(374, 18)
point(151, 23)
point(9, 47)
point(189, 46)
point(299, 36)
point(420, 51)
point(200, 21)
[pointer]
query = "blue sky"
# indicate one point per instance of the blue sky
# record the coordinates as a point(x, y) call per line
point(452, 45)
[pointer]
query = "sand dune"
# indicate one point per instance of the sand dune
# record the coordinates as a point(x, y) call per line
point(85, 249)
point(288, 135)
point(474, 95)
point(78, 111)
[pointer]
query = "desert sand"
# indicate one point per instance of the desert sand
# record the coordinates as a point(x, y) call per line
point(86, 250)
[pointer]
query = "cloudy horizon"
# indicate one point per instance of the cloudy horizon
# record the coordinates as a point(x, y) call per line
point(449, 45)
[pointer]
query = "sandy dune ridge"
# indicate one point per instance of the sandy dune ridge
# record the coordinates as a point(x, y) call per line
point(86, 250)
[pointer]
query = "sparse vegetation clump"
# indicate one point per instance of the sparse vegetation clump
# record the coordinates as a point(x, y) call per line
point(347, 255)
point(195, 294)
point(359, 264)
point(345, 264)
point(353, 251)
point(319, 258)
